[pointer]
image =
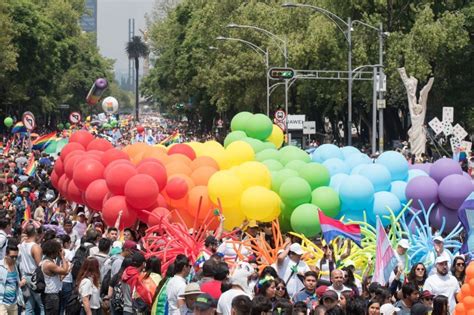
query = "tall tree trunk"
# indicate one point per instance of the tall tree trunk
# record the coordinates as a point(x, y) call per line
point(136, 89)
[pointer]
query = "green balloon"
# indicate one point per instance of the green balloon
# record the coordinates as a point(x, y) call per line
point(326, 199)
point(292, 154)
point(259, 127)
point(285, 223)
point(8, 122)
point(234, 136)
point(295, 165)
point(315, 174)
point(256, 145)
point(240, 121)
point(267, 154)
point(268, 145)
point(305, 220)
point(106, 126)
point(60, 126)
point(68, 125)
point(114, 123)
point(285, 210)
point(279, 177)
point(295, 191)
point(273, 165)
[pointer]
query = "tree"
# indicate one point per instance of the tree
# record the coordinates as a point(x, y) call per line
point(136, 49)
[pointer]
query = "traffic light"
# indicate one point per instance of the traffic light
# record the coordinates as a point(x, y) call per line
point(281, 73)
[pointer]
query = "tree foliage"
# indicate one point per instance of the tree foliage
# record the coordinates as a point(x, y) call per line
point(428, 37)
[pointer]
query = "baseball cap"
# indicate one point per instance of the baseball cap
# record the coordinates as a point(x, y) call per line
point(192, 288)
point(404, 243)
point(296, 248)
point(129, 245)
point(441, 259)
point(388, 309)
point(320, 290)
point(426, 294)
point(438, 238)
point(252, 224)
point(81, 213)
point(330, 294)
point(204, 302)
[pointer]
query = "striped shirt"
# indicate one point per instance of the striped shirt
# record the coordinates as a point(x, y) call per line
point(11, 285)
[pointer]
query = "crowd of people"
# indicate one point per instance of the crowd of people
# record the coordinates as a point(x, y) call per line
point(58, 257)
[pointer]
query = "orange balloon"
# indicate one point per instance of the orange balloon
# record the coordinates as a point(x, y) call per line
point(470, 271)
point(201, 175)
point(188, 180)
point(199, 204)
point(460, 296)
point(468, 302)
point(185, 216)
point(466, 289)
point(177, 167)
point(137, 158)
point(204, 161)
point(179, 158)
point(471, 284)
point(137, 148)
point(460, 309)
point(468, 312)
point(156, 154)
point(173, 204)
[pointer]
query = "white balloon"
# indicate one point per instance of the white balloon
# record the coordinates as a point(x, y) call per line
point(110, 105)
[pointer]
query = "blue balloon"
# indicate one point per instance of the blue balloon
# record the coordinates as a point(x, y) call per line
point(358, 159)
point(395, 163)
point(329, 151)
point(382, 200)
point(354, 215)
point(398, 188)
point(357, 170)
point(336, 166)
point(378, 175)
point(357, 192)
point(316, 156)
point(349, 151)
point(415, 173)
point(337, 180)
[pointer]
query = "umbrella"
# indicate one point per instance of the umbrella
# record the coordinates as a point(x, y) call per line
point(56, 146)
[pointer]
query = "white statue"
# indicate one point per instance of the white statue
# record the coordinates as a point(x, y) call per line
point(417, 133)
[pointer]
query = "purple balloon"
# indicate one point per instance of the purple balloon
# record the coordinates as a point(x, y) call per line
point(453, 190)
point(425, 167)
point(467, 175)
point(424, 189)
point(444, 167)
point(450, 215)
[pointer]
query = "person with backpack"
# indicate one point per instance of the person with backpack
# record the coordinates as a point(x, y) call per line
point(29, 258)
point(136, 297)
point(68, 282)
point(52, 273)
point(87, 242)
point(88, 287)
point(115, 294)
point(11, 295)
point(103, 254)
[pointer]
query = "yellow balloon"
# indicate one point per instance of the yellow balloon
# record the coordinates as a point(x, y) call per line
point(254, 174)
point(234, 217)
point(225, 186)
point(276, 137)
point(239, 152)
point(212, 145)
point(198, 147)
point(259, 203)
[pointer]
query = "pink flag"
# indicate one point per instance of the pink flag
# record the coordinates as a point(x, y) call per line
point(385, 260)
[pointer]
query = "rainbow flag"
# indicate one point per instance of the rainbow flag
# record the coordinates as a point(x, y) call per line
point(332, 228)
point(31, 168)
point(172, 138)
point(18, 128)
point(27, 215)
point(42, 142)
point(200, 260)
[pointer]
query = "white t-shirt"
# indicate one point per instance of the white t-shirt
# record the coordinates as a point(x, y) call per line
point(174, 289)
point(228, 250)
point(80, 228)
point(69, 255)
point(87, 288)
point(224, 305)
point(344, 288)
point(443, 285)
point(444, 253)
point(293, 283)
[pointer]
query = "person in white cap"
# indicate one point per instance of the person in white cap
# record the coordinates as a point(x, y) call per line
point(442, 282)
point(388, 309)
point(240, 286)
point(402, 258)
point(438, 244)
point(290, 268)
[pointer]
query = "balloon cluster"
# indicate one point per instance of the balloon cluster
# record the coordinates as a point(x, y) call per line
point(443, 184)
point(466, 296)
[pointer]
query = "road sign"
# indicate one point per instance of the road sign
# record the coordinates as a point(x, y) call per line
point(220, 123)
point(281, 73)
point(295, 122)
point(75, 117)
point(280, 115)
point(309, 127)
point(28, 120)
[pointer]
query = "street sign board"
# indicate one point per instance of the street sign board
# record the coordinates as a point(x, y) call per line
point(28, 120)
point(280, 115)
point(75, 117)
point(281, 73)
point(295, 122)
point(309, 127)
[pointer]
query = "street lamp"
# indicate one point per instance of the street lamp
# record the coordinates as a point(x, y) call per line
point(283, 48)
point(259, 51)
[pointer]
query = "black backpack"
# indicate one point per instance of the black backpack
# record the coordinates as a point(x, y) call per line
point(81, 255)
point(73, 305)
point(104, 287)
point(117, 298)
point(37, 283)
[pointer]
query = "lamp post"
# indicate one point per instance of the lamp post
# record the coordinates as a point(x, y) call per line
point(259, 51)
point(346, 29)
point(283, 48)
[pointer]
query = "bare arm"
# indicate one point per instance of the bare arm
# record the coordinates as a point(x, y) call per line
point(58, 270)
point(36, 252)
point(86, 305)
point(283, 254)
point(220, 228)
point(347, 253)
point(117, 223)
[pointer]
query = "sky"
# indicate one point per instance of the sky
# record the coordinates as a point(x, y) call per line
point(112, 27)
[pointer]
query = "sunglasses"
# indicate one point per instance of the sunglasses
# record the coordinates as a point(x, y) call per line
point(281, 288)
point(460, 264)
point(420, 269)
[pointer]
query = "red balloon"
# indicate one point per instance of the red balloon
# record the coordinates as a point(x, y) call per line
point(54, 179)
point(162, 201)
point(99, 144)
point(176, 188)
point(111, 209)
point(59, 167)
point(149, 160)
point(69, 165)
point(155, 170)
point(74, 193)
point(64, 187)
point(70, 147)
point(118, 175)
point(61, 180)
point(184, 149)
point(95, 152)
point(142, 216)
point(117, 162)
point(95, 193)
point(93, 156)
point(113, 155)
point(157, 215)
point(86, 172)
point(141, 191)
point(140, 129)
point(73, 153)
point(82, 137)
